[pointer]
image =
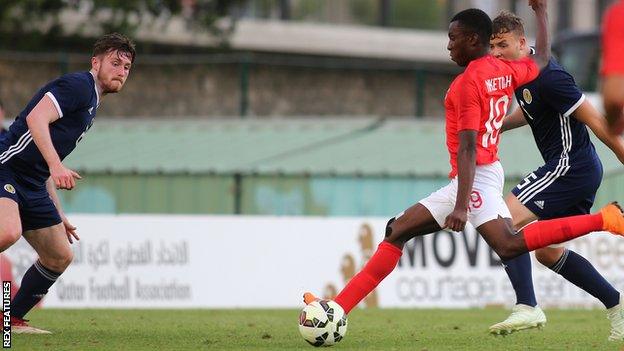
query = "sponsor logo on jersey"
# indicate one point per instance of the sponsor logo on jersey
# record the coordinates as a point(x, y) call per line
point(526, 94)
point(9, 188)
point(539, 203)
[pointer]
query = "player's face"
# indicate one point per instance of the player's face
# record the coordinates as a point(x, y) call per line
point(112, 70)
point(458, 44)
point(508, 46)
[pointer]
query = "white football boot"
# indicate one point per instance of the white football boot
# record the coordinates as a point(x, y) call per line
point(521, 317)
point(21, 326)
point(615, 315)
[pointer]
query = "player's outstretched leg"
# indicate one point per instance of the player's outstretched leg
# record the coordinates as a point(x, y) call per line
point(376, 269)
point(55, 255)
point(415, 221)
point(555, 231)
point(499, 235)
point(580, 272)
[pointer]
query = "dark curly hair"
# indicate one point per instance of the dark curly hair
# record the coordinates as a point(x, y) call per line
point(476, 21)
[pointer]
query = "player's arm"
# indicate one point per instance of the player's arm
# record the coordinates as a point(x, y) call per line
point(527, 69)
point(613, 99)
point(514, 120)
point(70, 230)
point(588, 114)
point(466, 165)
point(39, 120)
point(468, 105)
point(54, 196)
point(542, 39)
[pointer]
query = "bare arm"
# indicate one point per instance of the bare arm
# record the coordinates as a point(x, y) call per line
point(70, 230)
point(466, 165)
point(39, 120)
point(613, 99)
point(514, 120)
point(54, 196)
point(587, 114)
point(542, 40)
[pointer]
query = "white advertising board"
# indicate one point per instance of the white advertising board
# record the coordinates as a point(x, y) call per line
point(141, 261)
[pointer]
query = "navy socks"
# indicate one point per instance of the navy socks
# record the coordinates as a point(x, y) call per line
point(35, 284)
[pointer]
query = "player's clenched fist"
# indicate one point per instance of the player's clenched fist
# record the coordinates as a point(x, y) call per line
point(456, 221)
point(63, 177)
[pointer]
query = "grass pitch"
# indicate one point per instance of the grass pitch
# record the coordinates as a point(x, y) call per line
point(374, 329)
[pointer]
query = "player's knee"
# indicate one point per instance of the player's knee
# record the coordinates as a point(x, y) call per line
point(59, 262)
point(506, 251)
point(389, 227)
point(392, 235)
point(9, 234)
point(548, 256)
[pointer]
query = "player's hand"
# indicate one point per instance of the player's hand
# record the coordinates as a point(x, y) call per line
point(70, 229)
point(538, 5)
point(456, 221)
point(63, 177)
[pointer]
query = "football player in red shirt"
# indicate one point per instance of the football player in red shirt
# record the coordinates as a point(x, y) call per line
point(476, 103)
point(612, 70)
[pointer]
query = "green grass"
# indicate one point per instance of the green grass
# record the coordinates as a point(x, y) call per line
point(374, 329)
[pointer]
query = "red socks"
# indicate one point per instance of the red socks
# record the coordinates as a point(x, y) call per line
point(378, 267)
point(536, 235)
point(554, 231)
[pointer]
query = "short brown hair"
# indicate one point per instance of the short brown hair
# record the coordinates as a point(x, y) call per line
point(114, 42)
point(507, 22)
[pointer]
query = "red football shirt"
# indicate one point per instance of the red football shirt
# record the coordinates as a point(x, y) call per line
point(613, 40)
point(478, 99)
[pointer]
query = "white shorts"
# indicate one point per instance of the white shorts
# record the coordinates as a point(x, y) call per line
point(486, 199)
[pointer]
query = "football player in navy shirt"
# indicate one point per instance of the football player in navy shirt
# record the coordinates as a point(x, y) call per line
point(31, 167)
point(558, 113)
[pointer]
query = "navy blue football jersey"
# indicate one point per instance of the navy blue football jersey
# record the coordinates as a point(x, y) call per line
point(548, 103)
point(76, 99)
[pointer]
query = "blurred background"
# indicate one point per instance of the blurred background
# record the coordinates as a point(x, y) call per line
point(271, 107)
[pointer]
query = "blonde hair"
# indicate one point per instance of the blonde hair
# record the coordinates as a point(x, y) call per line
point(507, 22)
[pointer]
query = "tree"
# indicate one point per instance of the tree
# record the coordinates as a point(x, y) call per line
point(37, 23)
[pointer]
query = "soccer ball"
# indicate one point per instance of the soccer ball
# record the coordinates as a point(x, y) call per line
point(322, 323)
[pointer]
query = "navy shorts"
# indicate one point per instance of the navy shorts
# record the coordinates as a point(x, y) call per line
point(35, 205)
point(559, 190)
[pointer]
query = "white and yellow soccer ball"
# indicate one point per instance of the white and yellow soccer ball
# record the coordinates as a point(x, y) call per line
point(322, 323)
